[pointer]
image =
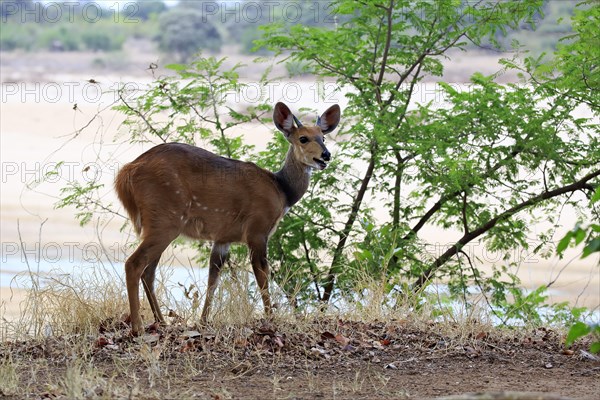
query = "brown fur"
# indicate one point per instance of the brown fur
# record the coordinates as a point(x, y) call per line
point(219, 195)
point(124, 190)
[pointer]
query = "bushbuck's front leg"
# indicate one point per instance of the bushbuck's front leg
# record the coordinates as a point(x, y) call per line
point(260, 266)
point(218, 257)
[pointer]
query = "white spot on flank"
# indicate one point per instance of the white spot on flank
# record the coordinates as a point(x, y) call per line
point(198, 204)
point(194, 197)
point(205, 208)
point(177, 192)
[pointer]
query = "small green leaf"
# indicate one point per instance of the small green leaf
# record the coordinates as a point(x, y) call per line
point(591, 247)
point(579, 235)
point(595, 348)
point(176, 67)
point(564, 243)
point(366, 255)
point(596, 196)
point(579, 329)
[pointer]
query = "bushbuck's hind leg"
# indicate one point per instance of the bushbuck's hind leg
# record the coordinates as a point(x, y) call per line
point(218, 257)
point(148, 283)
point(260, 266)
point(149, 250)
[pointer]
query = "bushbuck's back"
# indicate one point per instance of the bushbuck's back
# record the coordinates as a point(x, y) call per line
point(180, 187)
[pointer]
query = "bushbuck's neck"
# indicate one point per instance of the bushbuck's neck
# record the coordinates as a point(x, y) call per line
point(293, 178)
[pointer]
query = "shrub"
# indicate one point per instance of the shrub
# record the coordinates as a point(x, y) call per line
point(95, 41)
point(185, 32)
point(17, 36)
point(60, 37)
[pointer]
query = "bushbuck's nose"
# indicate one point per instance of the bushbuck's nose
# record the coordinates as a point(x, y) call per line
point(326, 155)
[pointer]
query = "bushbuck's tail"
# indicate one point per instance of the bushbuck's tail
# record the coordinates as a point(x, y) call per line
point(124, 188)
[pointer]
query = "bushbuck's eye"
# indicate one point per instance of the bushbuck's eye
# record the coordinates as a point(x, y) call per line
point(303, 139)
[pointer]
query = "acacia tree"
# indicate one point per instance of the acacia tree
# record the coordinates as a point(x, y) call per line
point(487, 165)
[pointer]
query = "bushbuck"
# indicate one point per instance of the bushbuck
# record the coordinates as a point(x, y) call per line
point(177, 189)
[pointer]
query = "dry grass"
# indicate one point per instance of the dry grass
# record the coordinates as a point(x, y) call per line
point(9, 379)
point(67, 304)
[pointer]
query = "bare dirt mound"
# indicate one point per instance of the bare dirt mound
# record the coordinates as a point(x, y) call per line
point(316, 359)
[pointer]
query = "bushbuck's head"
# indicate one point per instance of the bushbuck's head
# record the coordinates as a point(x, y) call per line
point(308, 142)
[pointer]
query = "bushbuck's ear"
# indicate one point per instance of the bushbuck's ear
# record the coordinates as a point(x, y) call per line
point(330, 119)
point(283, 119)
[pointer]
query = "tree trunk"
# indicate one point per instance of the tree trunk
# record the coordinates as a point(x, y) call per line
point(337, 254)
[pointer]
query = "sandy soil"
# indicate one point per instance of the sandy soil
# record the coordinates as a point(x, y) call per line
point(320, 359)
